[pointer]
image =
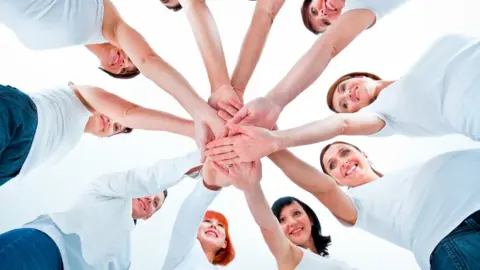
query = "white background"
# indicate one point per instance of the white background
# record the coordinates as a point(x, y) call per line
point(388, 50)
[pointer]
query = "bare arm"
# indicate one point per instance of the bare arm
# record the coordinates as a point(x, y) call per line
point(285, 253)
point(314, 62)
point(130, 114)
point(208, 40)
point(254, 41)
point(328, 128)
point(149, 62)
point(320, 185)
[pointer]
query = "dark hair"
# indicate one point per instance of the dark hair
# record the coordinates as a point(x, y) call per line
point(127, 130)
point(175, 8)
point(305, 10)
point(128, 75)
point(165, 194)
point(321, 242)
point(324, 150)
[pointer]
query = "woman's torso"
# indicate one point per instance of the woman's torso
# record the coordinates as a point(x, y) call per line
point(417, 207)
point(415, 104)
point(311, 260)
point(54, 24)
point(61, 123)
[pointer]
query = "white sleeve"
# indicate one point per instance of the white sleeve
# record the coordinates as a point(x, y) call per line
point(145, 181)
point(359, 4)
point(184, 233)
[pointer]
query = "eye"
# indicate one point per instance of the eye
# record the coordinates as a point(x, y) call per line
point(345, 105)
point(281, 220)
point(116, 127)
point(332, 165)
point(221, 225)
point(297, 213)
point(343, 87)
point(345, 152)
point(314, 11)
point(207, 221)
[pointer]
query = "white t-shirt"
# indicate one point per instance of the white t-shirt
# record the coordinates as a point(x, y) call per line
point(51, 24)
point(416, 208)
point(311, 261)
point(379, 7)
point(430, 99)
point(61, 123)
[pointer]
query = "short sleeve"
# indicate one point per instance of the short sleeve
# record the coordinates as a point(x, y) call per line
point(358, 4)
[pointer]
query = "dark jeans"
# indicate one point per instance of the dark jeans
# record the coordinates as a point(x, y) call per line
point(460, 249)
point(18, 123)
point(29, 249)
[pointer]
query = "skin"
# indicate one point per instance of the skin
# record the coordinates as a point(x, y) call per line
point(354, 94)
point(323, 12)
point(212, 236)
point(144, 208)
point(297, 226)
point(101, 125)
point(112, 58)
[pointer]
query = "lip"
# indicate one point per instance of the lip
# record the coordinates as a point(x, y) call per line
point(329, 5)
point(104, 121)
point(351, 170)
point(296, 231)
point(211, 231)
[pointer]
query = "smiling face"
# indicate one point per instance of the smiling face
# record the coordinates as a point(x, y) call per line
point(318, 15)
point(212, 233)
point(353, 94)
point(347, 165)
point(144, 208)
point(296, 224)
point(101, 125)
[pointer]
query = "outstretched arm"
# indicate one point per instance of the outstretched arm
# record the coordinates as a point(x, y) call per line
point(320, 185)
point(130, 114)
point(253, 143)
point(254, 41)
point(189, 217)
point(119, 33)
point(264, 112)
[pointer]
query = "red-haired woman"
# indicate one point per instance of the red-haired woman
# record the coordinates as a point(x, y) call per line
point(199, 239)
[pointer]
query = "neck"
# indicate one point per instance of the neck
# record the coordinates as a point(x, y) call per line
point(310, 245)
point(209, 252)
point(88, 127)
point(98, 49)
point(379, 86)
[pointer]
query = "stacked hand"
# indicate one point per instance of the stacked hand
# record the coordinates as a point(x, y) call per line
point(212, 177)
point(244, 176)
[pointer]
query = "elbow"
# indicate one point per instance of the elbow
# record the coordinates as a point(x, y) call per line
point(269, 10)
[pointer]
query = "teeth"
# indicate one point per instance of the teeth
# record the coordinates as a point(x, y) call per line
point(351, 169)
point(295, 231)
point(211, 233)
point(329, 6)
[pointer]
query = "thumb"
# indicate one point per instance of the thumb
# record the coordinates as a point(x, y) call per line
point(238, 117)
point(237, 129)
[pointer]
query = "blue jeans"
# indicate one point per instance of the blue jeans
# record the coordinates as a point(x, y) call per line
point(18, 123)
point(460, 249)
point(29, 249)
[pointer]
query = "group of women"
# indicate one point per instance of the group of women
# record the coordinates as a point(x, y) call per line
point(431, 209)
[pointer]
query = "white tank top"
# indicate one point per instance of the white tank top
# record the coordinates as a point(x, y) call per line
point(311, 261)
point(51, 24)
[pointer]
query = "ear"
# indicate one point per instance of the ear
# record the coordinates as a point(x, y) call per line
point(225, 244)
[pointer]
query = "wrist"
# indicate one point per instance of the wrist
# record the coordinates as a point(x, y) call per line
point(253, 190)
point(277, 99)
point(279, 140)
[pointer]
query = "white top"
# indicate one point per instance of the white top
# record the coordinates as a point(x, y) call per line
point(311, 261)
point(437, 96)
point(379, 7)
point(185, 251)
point(41, 24)
point(95, 232)
point(61, 123)
point(417, 207)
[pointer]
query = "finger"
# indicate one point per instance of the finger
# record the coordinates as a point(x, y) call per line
point(220, 142)
point(219, 150)
point(228, 108)
point(223, 132)
point(238, 129)
point(224, 115)
point(227, 162)
point(238, 117)
point(220, 168)
point(224, 156)
point(236, 104)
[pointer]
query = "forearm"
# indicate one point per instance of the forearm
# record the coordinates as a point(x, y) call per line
point(208, 40)
point(301, 173)
point(252, 47)
point(303, 73)
point(261, 212)
point(149, 119)
point(313, 132)
point(169, 79)
point(186, 224)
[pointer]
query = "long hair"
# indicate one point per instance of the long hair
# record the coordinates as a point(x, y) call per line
point(322, 154)
point(226, 255)
point(321, 242)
